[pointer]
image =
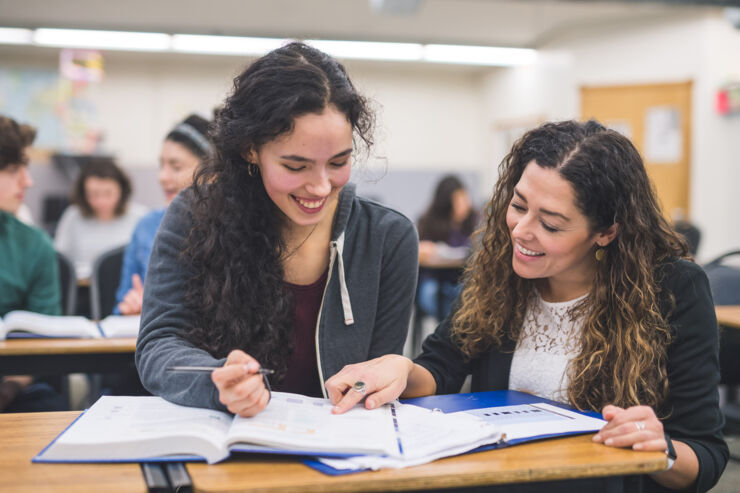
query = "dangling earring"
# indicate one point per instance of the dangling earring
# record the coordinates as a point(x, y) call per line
point(600, 254)
point(252, 169)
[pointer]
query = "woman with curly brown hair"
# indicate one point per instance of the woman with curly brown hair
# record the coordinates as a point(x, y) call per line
point(579, 291)
point(271, 259)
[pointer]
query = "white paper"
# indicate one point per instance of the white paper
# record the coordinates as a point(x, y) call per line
point(300, 423)
point(663, 140)
point(121, 325)
point(48, 325)
point(426, 439)
point(531, 420)
point(425, 436)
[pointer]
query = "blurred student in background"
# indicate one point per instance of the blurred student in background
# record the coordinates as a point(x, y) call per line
point(29, 277)
point(100, 218)
point(444, 233)
point(183, 150)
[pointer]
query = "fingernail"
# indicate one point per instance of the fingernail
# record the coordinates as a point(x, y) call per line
point(596, 438)
point(608, 441)
point(245, 368)
point(335, 409)
point(370, 404)
point(637, 446)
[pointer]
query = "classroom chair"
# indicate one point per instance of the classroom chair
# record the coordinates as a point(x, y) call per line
point(106, 275)
point(690, 233)
point(724, 281)
point(68, 280)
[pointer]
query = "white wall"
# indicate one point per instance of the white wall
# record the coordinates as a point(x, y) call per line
point(440, 118)
point(428, 117)
point(703, 50)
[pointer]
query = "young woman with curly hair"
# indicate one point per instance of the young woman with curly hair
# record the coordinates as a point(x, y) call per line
point(579, 291)
point(271, 259)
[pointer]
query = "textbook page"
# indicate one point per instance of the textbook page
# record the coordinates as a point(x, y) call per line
point(120, 325)
point(536, 419)
point(513, 422)
point(20, 323)
point(306, 424)
point(425, 436)
point(131, 428)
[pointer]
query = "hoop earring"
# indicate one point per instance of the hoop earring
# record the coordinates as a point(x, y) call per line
point(252, 169)
point(600, 254)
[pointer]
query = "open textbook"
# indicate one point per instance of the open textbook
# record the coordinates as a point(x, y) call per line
point(22, 324)
point(149, 428)
point(519, 416)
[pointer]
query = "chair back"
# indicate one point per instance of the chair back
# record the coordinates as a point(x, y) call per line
point(68, 281)
point(724, 280)
point(106, 275)
point(690, 233)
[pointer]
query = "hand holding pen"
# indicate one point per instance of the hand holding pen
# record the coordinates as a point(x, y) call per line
point(242, 387)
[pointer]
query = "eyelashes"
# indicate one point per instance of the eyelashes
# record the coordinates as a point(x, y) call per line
point(547, 227)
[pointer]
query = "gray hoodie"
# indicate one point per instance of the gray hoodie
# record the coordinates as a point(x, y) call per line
point(364, 314)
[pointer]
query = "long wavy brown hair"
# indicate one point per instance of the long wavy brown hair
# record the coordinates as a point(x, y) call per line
point(622, 360)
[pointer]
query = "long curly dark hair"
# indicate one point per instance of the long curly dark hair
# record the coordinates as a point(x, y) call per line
point(625, 337)
point(234, 248)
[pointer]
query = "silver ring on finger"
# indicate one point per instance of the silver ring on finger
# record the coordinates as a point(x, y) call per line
point(359, 386)
point(640, 425)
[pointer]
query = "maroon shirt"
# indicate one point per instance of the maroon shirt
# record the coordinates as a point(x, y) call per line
point(303, 371)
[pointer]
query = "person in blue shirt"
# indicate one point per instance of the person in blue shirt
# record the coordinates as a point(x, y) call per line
point(183, 150)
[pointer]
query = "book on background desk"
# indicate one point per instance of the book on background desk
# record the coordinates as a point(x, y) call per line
point(19, 324)
point(138, 429)
point(521, 417)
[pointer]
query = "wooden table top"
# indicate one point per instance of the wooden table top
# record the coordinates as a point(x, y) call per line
point(44, 345)
point(442, 263)
point(728, 315)
point(24, 435)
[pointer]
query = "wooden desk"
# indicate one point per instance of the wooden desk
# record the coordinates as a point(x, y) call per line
point(24, 435)
point(61, 356)
point(728, 315)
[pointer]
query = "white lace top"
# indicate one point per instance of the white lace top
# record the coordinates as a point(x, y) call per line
point(548, 341)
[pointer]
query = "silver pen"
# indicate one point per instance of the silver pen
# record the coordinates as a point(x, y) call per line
point(209, 369)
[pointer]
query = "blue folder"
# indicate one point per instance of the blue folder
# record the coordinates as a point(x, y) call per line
point(450, 403)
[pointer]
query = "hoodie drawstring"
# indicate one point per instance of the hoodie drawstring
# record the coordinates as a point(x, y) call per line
point(346, 305)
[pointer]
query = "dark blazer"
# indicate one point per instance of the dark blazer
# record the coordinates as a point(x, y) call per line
point(692, 407)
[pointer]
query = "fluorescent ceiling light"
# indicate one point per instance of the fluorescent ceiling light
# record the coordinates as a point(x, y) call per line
point(224, 45)
point(15, 36)
point(369, 50)
point(240, 45)
point(104, 40)
point(479, 55)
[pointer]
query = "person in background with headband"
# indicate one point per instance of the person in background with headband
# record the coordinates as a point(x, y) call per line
point(183, 150)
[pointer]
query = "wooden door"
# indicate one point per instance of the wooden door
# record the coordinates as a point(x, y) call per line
point(657, 119)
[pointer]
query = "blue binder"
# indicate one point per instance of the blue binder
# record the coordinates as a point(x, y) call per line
point(450, 403)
